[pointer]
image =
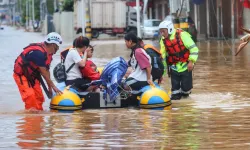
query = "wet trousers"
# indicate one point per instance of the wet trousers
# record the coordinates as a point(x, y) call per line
point(134, 84)
point(182, 82)
point(31, 96)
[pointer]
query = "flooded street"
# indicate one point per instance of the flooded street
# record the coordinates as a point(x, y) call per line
point(216, 116)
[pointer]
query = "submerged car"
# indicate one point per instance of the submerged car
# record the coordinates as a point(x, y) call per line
point(150, 28)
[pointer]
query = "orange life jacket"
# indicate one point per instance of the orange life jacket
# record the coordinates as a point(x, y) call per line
point(152, 47)
point(27, 68)
point(176, 50)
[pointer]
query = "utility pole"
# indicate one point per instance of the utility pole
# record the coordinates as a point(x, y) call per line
point(138, 18)
point(19, 9)
point(33, 10)
point(14, 13)
point(26, 16)
point(30, 13)
point(9, 12)
point(145, 5)
point(218, 18)
point(208, 18)
point(233, 18)
point(41, 11)
point(88, 21)
point(83, 17)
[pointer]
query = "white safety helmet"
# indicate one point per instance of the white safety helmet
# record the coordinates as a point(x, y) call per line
point(167, 25)
point(54, 37)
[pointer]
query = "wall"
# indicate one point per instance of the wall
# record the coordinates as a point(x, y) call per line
point(203, 19)
point(227, 17)
point(4, 2)
point(212, 18)
point(45, 26)
point(56, 21)
point(67, 28)
point(246, 18)
point(160, 9)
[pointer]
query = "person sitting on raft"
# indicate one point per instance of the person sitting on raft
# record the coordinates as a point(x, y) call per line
point(74, 60)
point(65, 52)
point(89, 71)
point(140, 62)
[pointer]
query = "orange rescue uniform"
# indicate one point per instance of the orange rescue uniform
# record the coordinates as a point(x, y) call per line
point(26, 77)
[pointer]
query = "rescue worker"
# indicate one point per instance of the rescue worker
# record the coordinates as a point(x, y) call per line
point(33, 62)
point(179, 53)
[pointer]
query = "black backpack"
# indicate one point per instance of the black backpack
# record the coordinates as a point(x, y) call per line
point(156, 61)
point(60, 73)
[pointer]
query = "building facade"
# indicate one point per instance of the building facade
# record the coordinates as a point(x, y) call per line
point(213, 18)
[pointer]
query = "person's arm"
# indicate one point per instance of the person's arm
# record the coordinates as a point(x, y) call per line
point(128, 72)
point(76, 58)
point(39, 59)
point(193, 49)
point(144, 63)
point(82, 63)
point(149, 79)
point(163, 55)
point(46, 75)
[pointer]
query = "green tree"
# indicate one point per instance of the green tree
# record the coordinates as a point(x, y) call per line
point(50, 6)
point(22, 4)
point(37, 9)
point(68, 5)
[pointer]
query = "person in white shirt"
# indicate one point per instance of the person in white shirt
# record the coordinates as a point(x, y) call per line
point(140, 62)
point(76, 58)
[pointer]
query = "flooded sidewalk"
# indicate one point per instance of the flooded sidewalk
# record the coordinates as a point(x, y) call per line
point(215, 116)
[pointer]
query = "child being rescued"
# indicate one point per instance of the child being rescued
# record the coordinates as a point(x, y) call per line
point(89, 71)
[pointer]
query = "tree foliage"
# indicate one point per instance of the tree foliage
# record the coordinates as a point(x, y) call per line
point(68, 5)
point(50, 6)
point(22, 5)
